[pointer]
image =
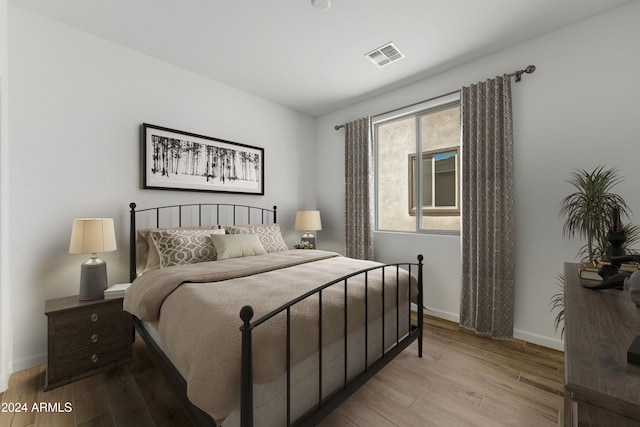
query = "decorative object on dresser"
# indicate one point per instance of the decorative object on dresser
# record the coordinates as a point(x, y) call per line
point(177, 160)
point(633, 285)
point(601, 387)
point(90, 236)
point(613, 274)
point(85, 337)
point(308, 221)
point(633, 354)
point(611, 271)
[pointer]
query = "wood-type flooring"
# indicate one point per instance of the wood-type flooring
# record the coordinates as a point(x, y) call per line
point(462, 380)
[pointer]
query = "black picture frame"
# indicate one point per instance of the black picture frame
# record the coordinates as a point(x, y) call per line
point(178, 160)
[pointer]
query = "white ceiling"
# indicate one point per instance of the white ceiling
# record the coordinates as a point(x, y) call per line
point(310, 60)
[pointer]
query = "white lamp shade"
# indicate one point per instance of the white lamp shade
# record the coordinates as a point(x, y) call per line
point(92, 235)
point(308, 220)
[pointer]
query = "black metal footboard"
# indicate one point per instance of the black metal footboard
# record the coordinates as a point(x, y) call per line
point(325, 405)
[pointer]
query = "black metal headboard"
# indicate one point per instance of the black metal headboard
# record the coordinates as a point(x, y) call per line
point(250, 214)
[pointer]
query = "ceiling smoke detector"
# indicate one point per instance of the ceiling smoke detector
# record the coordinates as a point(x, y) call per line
point(385, 55)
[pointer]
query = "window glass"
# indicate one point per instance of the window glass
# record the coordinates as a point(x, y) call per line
point(433, 131)
point(396, 140)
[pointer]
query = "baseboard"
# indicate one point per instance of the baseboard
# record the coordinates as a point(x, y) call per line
point(529, 337)
point(29, 363)
point(553, 343)
point(452, 317)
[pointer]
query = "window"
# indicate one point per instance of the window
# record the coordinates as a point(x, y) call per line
point(403, 183)
point(440, 179)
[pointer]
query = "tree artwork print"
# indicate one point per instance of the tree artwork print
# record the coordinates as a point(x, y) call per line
point(183, 161)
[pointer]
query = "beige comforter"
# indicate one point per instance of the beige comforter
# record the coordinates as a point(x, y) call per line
point(197, 307)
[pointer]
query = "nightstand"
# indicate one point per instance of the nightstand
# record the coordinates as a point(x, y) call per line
point(85, 337)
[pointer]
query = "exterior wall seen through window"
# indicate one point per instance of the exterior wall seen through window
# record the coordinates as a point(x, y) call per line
point(434, 132)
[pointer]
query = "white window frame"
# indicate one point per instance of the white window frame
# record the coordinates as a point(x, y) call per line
point(417, 110)
point(434, 210)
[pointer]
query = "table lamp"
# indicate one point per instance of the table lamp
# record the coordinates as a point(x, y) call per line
point(90, 236)
point(308, 221)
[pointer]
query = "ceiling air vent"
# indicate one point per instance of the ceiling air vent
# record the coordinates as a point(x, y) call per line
point(385, 55)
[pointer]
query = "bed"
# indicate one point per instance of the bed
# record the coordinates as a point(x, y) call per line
point(253, 333)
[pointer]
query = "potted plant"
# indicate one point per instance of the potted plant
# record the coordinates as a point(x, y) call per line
point(588, 210)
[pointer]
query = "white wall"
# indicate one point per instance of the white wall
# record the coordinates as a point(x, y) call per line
point(77, 102)
point(5, 318)
point(578, 110)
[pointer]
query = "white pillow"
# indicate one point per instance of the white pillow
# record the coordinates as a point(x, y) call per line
point(237, 245)
point(269, 235)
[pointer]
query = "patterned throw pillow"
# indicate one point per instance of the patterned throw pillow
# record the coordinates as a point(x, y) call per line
point(178, 247)
point(269, 235)
point(147, 257)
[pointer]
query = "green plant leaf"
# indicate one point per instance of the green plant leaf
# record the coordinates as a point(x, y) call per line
point(588, 210)
point(557, 303)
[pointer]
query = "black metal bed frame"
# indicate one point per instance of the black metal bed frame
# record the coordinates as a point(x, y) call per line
point(234, 208)
point(324, 405)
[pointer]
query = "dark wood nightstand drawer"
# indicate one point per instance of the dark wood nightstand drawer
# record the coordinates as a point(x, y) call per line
point(117, 333)
point(72, 321)
point(85, 337)
point(90, 359)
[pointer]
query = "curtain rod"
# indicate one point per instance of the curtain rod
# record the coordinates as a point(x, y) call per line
point(517, 74)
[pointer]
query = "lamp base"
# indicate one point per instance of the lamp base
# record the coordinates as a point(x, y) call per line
point(308, 237)
point(93, 279)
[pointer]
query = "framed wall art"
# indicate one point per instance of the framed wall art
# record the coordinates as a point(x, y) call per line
point(177, 160)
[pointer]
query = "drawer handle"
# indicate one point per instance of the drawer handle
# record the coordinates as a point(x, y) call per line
point(94, 358)
point(94, 338)
point(94, 317)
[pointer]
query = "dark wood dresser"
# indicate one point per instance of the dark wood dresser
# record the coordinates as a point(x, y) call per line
point(85, 337)
point(601, 388)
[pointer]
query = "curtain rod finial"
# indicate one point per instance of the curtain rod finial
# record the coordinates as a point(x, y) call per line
point(530, 69)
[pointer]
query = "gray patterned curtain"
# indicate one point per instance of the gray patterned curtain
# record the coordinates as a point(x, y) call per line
point(488, 220)
point(359, 189)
